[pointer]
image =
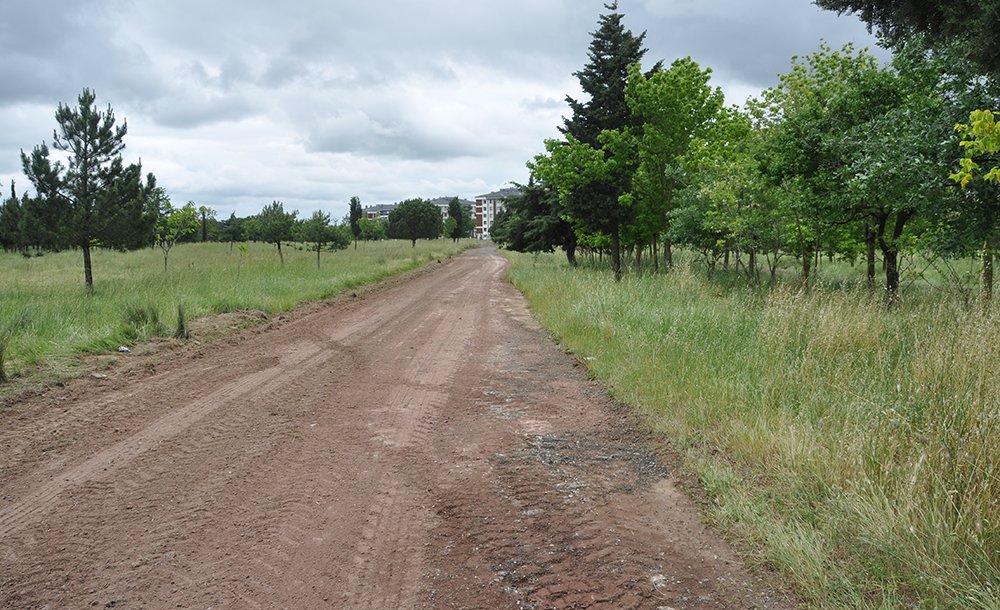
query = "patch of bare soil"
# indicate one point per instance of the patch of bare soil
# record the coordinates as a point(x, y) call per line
point(422, 445)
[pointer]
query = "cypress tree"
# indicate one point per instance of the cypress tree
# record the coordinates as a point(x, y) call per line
point(596, 207)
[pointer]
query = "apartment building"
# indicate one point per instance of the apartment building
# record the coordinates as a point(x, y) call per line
point(487, 208)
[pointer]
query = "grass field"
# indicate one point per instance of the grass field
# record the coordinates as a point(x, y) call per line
point(134, 299)
point(855, 450)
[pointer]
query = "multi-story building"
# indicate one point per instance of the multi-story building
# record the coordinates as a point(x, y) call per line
point(378, 212)
point(487, 208)
point(443, 202)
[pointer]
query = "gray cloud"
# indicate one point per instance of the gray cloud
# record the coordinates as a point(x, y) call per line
point(234, 103)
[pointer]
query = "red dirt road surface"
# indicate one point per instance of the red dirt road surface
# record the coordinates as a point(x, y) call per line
point(423, 445)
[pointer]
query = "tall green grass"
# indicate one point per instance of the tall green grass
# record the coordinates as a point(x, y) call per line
point(135, 300)
point(855, 450)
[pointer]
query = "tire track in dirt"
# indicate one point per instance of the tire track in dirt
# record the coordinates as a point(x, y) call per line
point(420, 446)
point(105, 463)
point(395, 517)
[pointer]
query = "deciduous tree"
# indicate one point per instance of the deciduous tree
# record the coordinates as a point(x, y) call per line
point(173, 223)
point(674, 107)
point(371, 229)
point(415, 219)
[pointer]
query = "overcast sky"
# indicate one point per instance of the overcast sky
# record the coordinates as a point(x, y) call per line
point(235, 103)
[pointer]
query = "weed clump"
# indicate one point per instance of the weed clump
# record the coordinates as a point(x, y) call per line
point(142, 322)
point(181, 330)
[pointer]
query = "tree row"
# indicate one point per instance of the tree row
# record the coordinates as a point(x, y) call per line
point(845, 157)
point(86, 197)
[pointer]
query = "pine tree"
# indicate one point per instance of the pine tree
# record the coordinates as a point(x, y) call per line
point(533, 222)
point(96, 200)
point(274, 225)
point(11, 239)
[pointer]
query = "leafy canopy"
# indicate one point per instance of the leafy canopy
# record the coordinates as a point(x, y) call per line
point(415, 219)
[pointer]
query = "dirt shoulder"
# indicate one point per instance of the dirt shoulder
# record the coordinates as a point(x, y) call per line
point(423, 445)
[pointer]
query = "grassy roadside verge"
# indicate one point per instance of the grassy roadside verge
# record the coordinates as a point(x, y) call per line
point(854, 450)
point(135, 300)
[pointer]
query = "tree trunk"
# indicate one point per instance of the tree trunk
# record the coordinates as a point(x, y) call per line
point(807, 257)
point(870, 256)
point(88, 271)
point(280, 255)
point(318, 246)
point(890, 254)
point(569, 245)
point(987, 289)
point(616, 254)
point(891, 275)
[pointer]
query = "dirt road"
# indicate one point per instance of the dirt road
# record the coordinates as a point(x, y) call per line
point(423, 445)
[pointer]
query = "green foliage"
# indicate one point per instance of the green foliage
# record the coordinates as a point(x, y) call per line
point(209, 225)
point(592, 175)
point(980, 138)
point(460, 219)
point(372, 229)
point(8, 330)
point(356, 213)
point(318, 231)
point(415, 219)
point(676, 109)
point(96, 199)
point(851, 447)
point(971, 23)
point(11, 236)
point(173, 223)
point(534, 222)
point(273, 225)
point(232, 229)
point(205, 278)
point(603, 79)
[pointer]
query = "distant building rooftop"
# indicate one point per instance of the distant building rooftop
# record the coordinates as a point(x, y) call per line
point(501, 194)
